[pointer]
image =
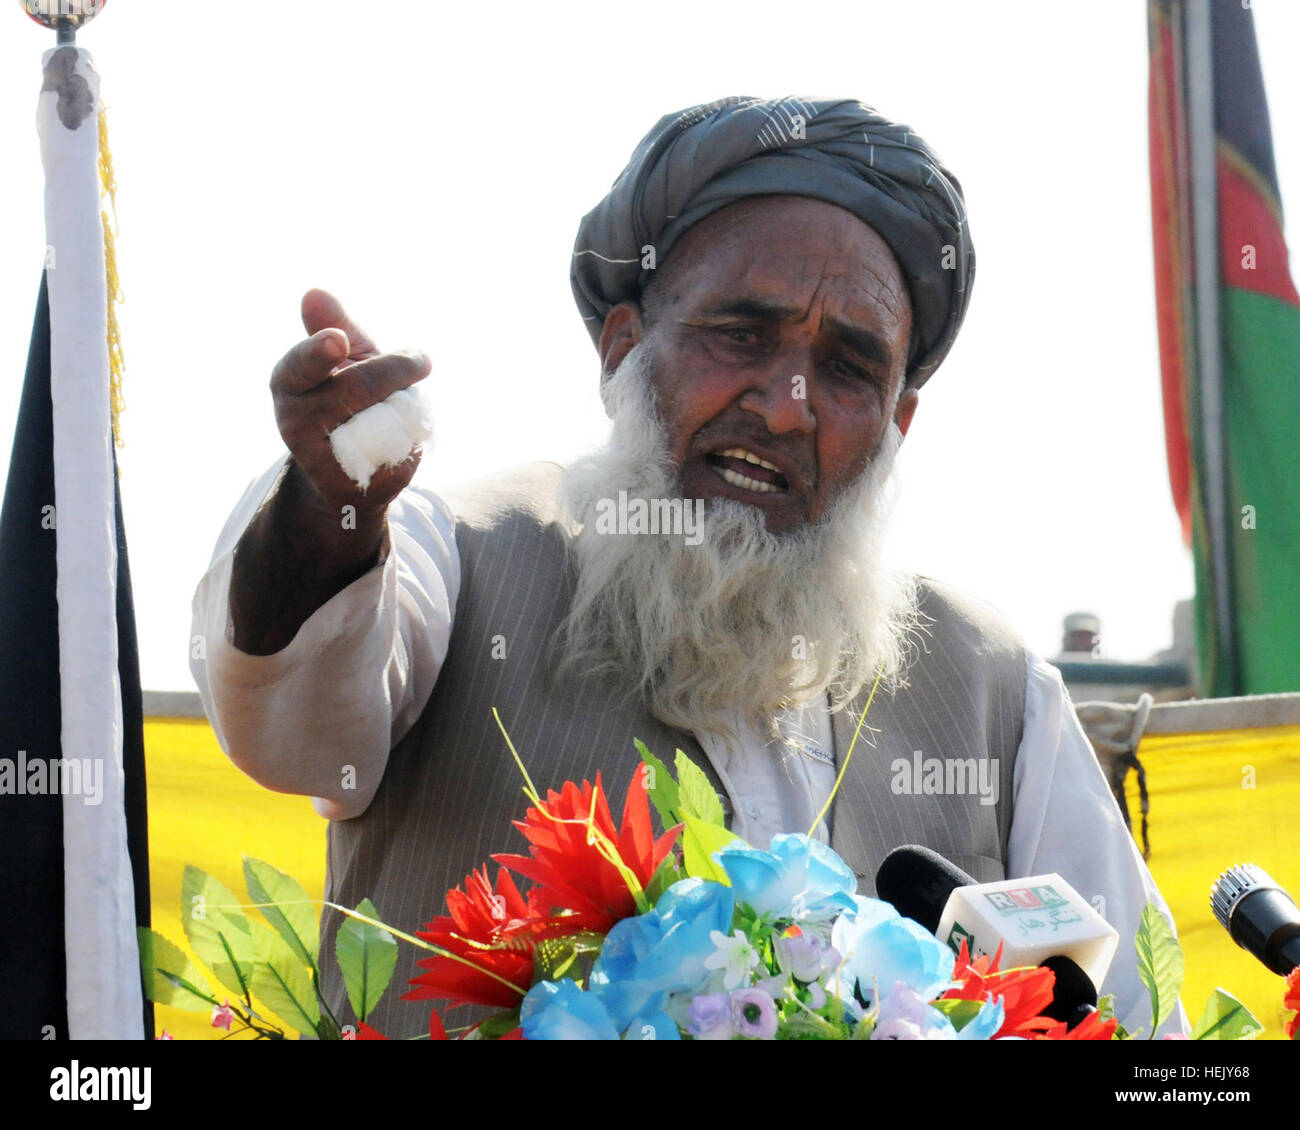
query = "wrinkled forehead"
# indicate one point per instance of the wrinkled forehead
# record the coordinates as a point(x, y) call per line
point(794, 251)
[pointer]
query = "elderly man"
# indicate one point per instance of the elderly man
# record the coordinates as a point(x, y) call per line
point(768, 285)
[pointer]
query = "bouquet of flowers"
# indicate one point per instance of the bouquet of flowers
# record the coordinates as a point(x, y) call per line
point(628, 934)
point(695, 934)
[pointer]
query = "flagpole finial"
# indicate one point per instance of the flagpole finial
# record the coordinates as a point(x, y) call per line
point(63, 16)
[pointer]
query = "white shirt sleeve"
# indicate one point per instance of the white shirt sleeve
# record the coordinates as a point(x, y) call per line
point(1066, 820)
point(319, 717)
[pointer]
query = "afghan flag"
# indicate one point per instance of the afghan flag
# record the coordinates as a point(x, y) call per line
point(1229, 325)
point(73, 849)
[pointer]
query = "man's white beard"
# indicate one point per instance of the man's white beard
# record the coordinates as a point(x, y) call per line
point(747, 623)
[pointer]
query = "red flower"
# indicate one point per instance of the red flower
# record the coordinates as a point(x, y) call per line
point(491, 930)
point(564, 861)
point(1292, 1000)
point(365, 1032)
point(1024, 992)
point(1091, 1027)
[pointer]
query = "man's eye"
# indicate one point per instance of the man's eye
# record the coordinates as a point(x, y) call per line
point(849, 369)
point(742, 335)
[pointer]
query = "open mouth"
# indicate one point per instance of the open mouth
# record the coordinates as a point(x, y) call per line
point(747, 471)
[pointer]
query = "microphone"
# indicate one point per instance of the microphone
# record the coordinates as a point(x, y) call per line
point(1039, 920)
point(1261, 917)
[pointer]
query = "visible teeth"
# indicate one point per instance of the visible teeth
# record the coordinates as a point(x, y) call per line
point(750, 457)
point(736, 479)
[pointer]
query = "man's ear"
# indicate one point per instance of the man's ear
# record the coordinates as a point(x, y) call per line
point(622, 330)
point(906, 409)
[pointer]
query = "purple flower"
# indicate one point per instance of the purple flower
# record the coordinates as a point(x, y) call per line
point(805, 956)
point(753, 1012)
point(709, 1017)
point(904, 1015)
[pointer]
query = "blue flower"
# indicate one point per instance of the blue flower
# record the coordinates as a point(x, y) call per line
point(881, 948)
point(559, 1010)
point(986, 1022)
point(648, 958)
point(653, 1026)
point(798, 878)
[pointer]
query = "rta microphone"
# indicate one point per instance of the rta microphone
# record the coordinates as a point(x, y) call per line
point(1040, 920)
point(1261, 917)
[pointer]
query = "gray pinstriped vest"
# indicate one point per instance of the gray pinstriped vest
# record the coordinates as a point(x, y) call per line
point(451, 789)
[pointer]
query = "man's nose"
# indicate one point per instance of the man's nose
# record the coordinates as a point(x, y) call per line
point(780, 396)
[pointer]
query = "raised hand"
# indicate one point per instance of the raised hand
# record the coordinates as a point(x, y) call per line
point(319, 531)
point(322, 382)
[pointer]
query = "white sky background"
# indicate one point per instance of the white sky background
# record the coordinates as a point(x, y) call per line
point(431, 168)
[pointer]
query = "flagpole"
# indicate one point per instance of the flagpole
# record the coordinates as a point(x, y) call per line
point(104, 996)
point(1209, 358)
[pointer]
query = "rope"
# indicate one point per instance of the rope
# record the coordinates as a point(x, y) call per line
point(1115, 731)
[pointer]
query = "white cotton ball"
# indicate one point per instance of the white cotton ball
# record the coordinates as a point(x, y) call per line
point(382, 435)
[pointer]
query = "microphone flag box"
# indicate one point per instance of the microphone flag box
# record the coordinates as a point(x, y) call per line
point(1032, 919)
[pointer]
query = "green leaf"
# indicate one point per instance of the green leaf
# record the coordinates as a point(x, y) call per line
point(217, 929)
point(1226, 1018)
point(1106, 1006)
point(293, 916)
point(959, 1012)
point(556, 958)
point(699, 841)
point(695, 795)
point(666, 874)
point(367, 955)
point(660, 786)
point(282, 982)
point(1160, 964)
point(169, 976)
point(805, 1026)
point(498, 1024)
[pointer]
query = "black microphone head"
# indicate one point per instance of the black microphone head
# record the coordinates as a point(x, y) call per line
point(1261, 917)
point(1074, 991)
point(1233, 886)
point(918, 882)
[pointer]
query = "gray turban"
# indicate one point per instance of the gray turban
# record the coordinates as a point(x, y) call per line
point(693, 163)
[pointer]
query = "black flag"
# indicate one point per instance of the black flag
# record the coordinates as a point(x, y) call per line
point(33, 981)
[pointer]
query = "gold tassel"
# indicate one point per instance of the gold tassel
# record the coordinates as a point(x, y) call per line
point(116, 364)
